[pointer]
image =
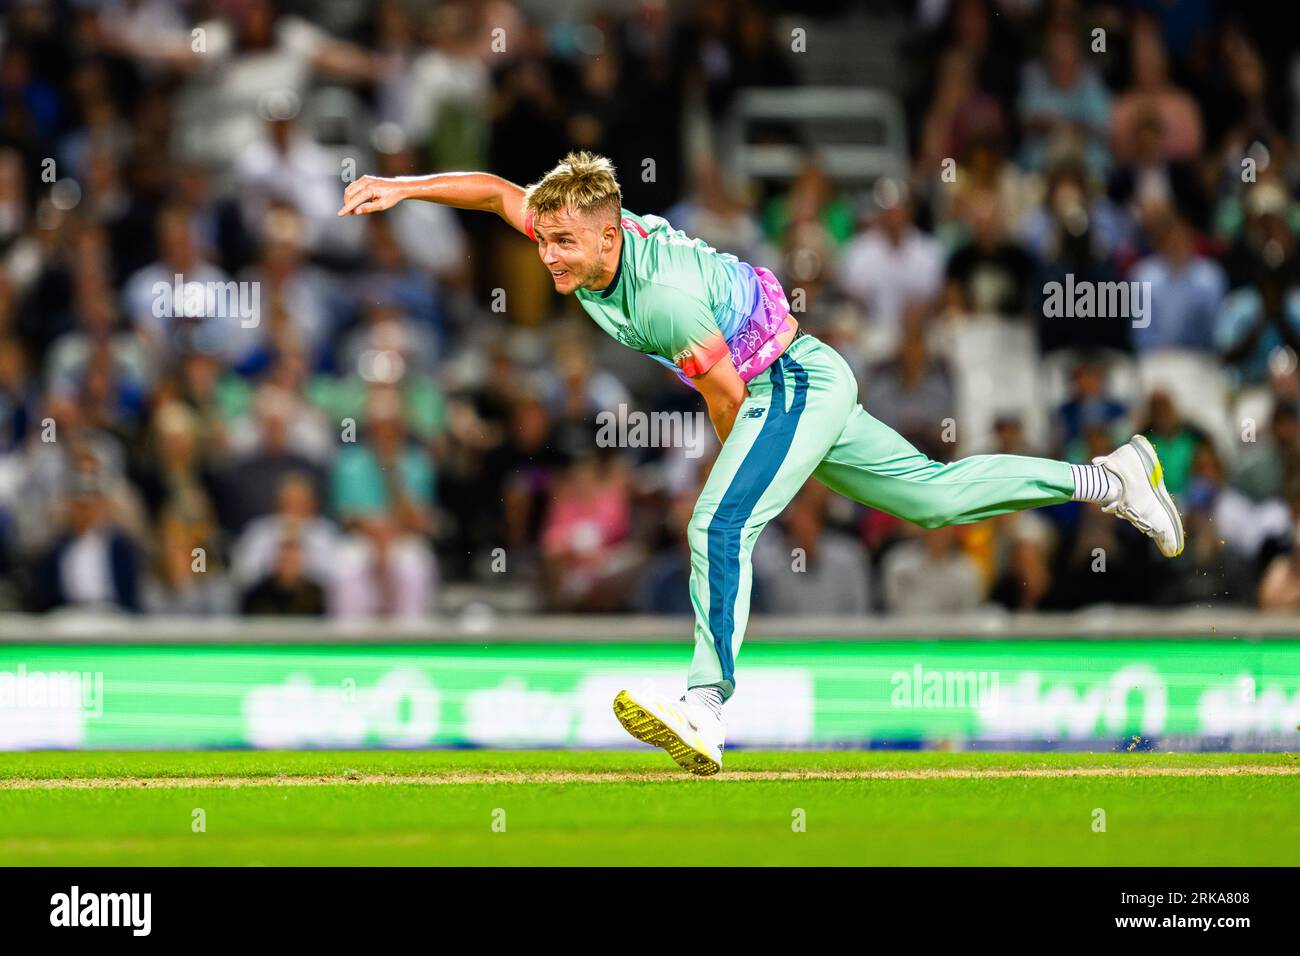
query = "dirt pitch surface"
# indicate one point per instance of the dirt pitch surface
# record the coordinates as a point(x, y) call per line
point(562, 776)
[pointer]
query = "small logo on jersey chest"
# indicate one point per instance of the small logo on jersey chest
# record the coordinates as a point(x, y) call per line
point(755, 412)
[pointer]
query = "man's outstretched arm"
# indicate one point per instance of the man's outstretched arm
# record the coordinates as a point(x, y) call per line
point(481, 191)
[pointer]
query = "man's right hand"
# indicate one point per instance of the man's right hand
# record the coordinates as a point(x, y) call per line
point(371, 194)
point(481, 191)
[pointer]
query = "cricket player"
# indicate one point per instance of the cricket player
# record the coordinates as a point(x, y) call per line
point(783, 403)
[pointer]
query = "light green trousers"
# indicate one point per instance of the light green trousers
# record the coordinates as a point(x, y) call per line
point(802, 418)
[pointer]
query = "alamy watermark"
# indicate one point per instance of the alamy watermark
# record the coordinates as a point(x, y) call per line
point(25, 690)
point(635, 429)
point(923, 688)
point(132, 911)
point(1085, 299)
point(201, 300)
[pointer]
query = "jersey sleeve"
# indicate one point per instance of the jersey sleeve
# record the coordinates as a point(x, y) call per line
point(681, 328)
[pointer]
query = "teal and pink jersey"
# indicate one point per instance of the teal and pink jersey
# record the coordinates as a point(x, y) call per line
point(686, 304)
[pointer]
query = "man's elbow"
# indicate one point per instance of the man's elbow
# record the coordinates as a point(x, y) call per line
point(732, 403)
point(723, 409)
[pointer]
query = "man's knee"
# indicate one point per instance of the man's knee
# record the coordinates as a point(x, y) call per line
point(933, 519)
point(930, 511)
point(713, 523)
point(697, 529)
point(714, 520)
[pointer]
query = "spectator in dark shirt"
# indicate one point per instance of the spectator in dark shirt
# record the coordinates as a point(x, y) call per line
point(93, 564)
point(1151, 175)
point(286, 590)
point(1087, 405)
point(248, 486)
point(989, 275)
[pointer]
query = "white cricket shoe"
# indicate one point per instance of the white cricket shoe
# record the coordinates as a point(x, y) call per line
point(689, 732)
point(1143, 500)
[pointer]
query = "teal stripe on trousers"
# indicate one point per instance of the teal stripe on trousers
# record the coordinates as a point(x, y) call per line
point(752, 478)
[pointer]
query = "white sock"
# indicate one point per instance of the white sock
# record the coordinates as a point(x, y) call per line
point(1094, 483)
point(710, 697)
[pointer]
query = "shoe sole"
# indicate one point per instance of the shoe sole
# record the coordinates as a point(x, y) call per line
point(648, 728)
point(1151, 462)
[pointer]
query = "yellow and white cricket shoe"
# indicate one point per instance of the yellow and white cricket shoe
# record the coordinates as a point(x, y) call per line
point(1143, 500)
point(689, 732)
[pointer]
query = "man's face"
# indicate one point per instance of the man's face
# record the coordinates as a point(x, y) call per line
point(573, 246)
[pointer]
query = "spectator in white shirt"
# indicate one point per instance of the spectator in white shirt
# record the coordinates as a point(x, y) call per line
point(168, 320)
point(931, 574)
point(892, 265)
point(285, 165)
point(254, 554)
point(382, 572)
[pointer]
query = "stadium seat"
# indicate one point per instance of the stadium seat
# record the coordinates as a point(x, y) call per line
point(995, 370)
point(1199, 388)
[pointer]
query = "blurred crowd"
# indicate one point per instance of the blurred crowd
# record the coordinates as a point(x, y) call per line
point(216, 397)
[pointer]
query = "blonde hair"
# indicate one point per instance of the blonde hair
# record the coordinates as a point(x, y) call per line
point(582, 182)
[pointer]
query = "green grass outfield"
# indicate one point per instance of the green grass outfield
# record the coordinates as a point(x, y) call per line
point(614, 808)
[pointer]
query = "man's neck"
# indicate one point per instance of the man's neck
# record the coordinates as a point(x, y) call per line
point(609, 267)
